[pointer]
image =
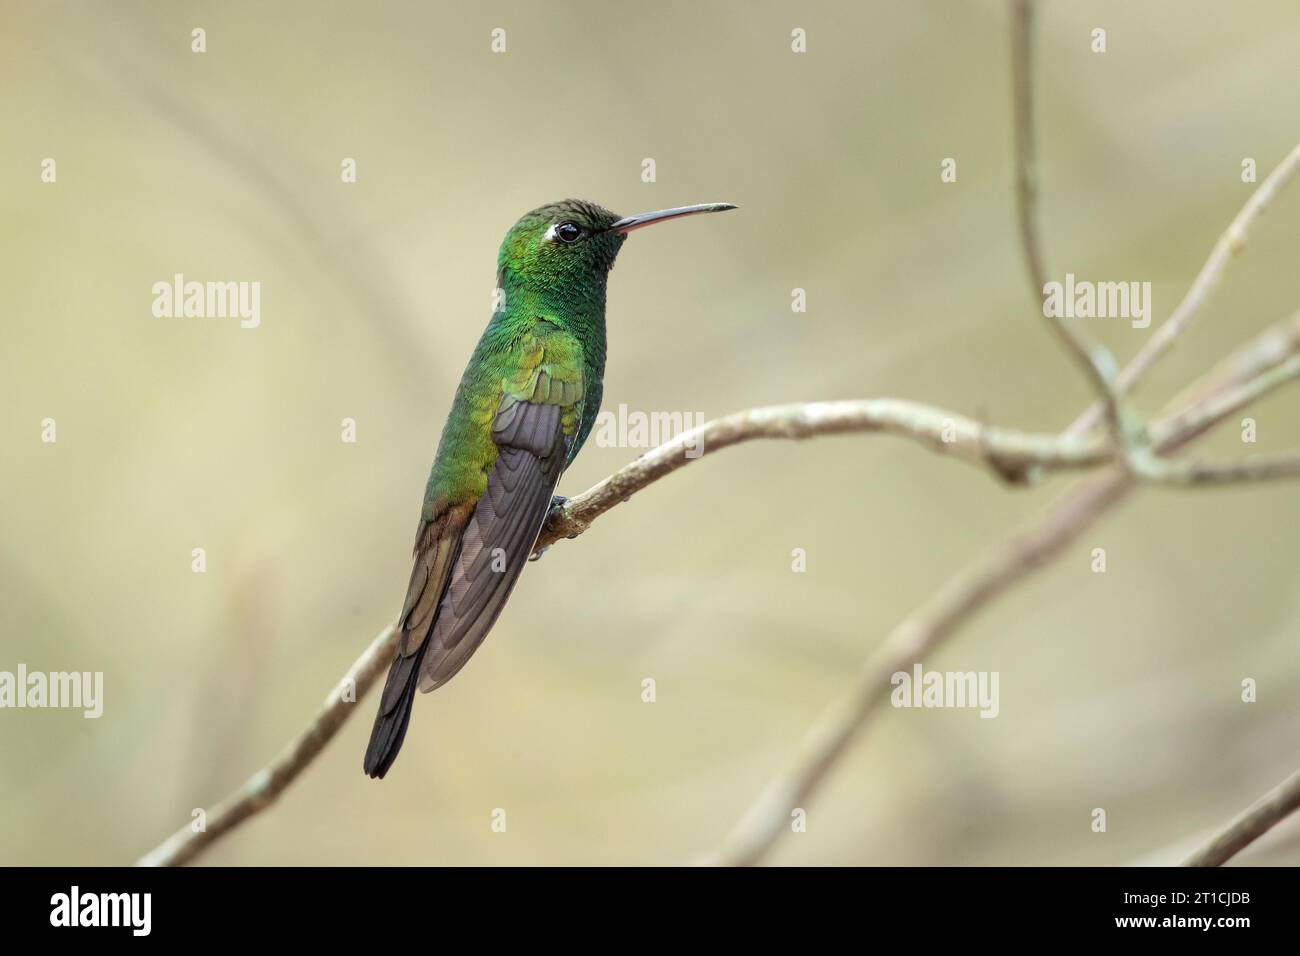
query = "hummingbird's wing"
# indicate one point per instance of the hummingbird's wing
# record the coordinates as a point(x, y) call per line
point(500, 534)
point(468, 558)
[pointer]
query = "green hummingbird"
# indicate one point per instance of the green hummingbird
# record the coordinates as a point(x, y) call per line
point(524, 408)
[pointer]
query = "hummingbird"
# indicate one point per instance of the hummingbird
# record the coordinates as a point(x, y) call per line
point(524, 407)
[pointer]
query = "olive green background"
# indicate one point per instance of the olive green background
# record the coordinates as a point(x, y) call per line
point(1119, 691)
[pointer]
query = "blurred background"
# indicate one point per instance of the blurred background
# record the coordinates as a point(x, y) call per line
point(1119, 690)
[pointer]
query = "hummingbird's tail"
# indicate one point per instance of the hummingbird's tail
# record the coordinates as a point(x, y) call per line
point(391, 722)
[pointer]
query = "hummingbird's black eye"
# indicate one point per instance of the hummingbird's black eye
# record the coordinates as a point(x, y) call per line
point(568, 232)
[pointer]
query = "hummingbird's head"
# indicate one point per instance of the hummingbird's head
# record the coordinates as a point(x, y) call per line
point(571, 245)
point(564, 244)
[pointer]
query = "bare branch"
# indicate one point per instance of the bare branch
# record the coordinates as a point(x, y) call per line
point(1249, 379)
point(1189, 474)
point(1090, 355)
point(1271, 348)
point(1231, 242)
point(1010, 454)
point(1262, 815)
point(959, 600)
point(263, 787)
point(1022, 62)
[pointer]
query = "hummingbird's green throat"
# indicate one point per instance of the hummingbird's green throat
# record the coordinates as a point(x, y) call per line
point(524, 407)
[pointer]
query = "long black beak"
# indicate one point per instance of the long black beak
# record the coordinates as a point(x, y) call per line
point(641, 219)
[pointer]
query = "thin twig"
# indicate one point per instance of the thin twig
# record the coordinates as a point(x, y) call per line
point(1009, 454)
point(1202, 412)
point(1262, 815)
point(1096, 361)
point(263, 787)
point(1022, 87)
point(955, 604)
point(1279, 340)
point(1230, 242)
point(1268, 369)
point(1188, 474)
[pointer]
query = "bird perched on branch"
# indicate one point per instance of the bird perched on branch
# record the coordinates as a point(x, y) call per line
point(525, 405)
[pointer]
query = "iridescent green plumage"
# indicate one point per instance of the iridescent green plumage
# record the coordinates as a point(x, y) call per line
point(525, 405)
point(551, 317)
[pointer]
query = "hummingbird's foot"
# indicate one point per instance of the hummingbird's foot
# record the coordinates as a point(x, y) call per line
point(557, 505)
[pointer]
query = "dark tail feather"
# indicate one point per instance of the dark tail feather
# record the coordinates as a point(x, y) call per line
point(390, 725)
